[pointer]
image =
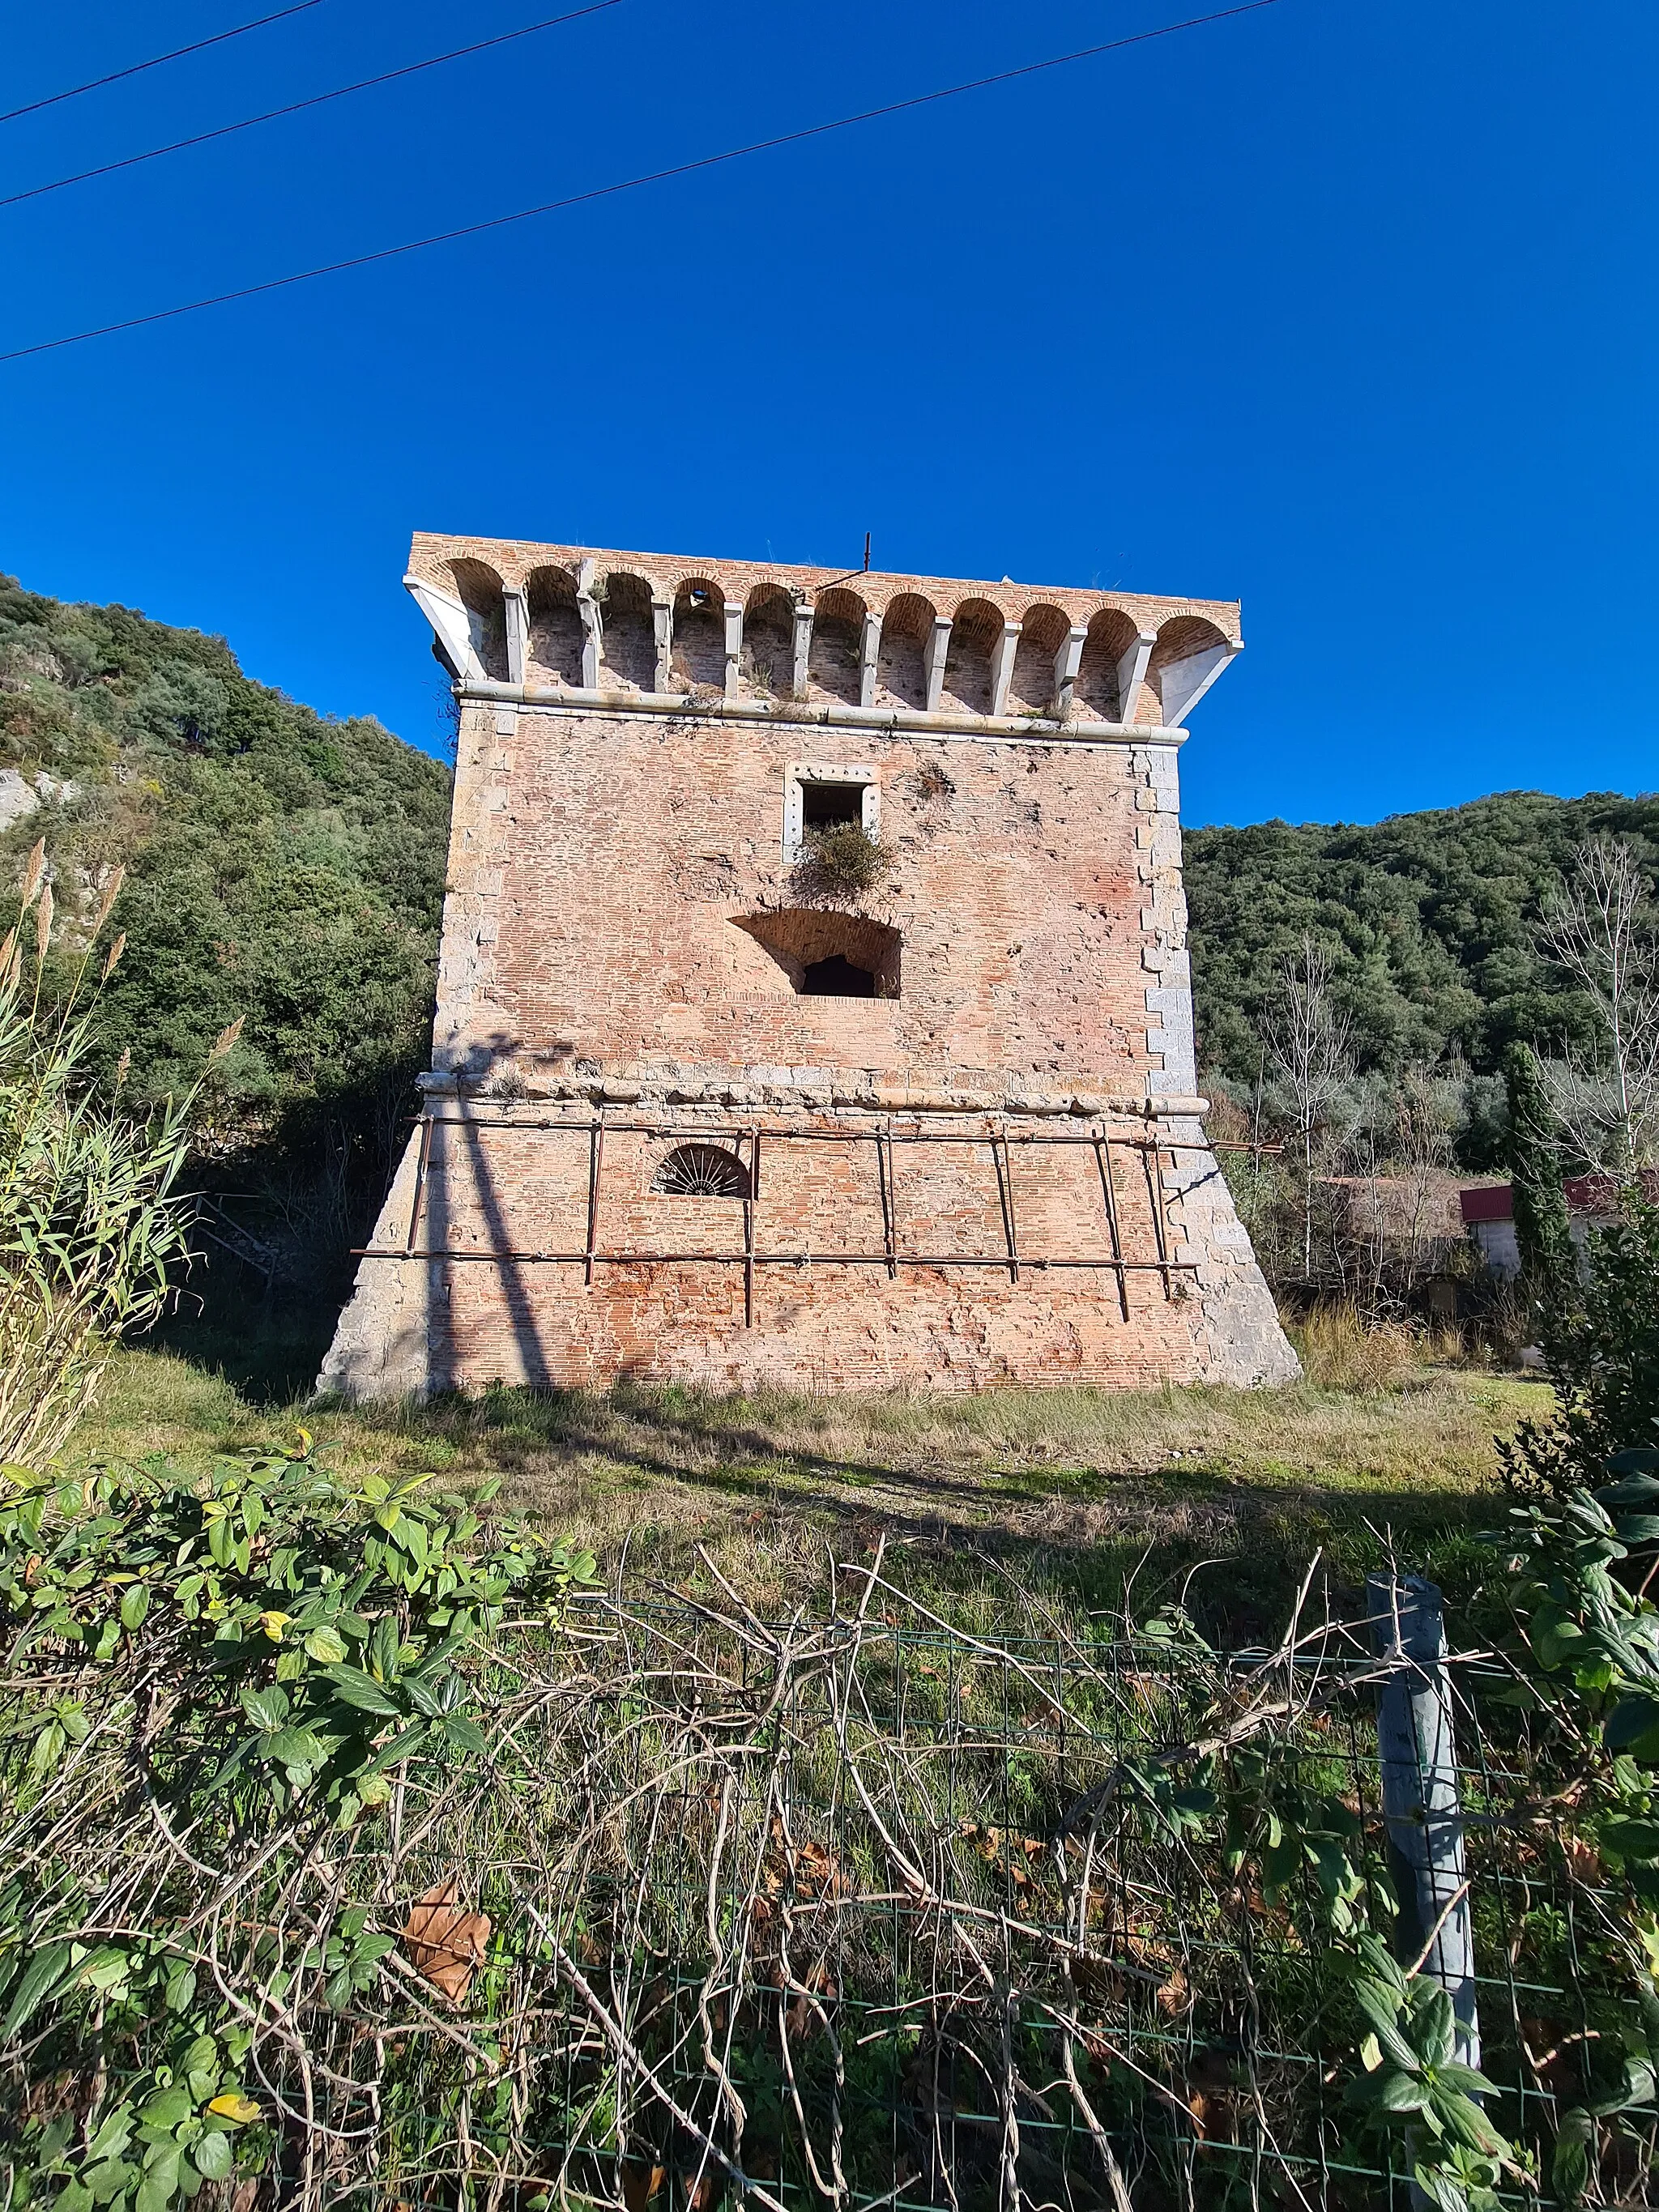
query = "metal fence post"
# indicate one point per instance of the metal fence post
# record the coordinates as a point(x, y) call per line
point(1417, 1754)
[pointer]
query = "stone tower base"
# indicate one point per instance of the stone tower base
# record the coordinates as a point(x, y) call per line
point(544, 1244)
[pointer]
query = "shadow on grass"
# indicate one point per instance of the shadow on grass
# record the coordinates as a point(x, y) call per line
point(269, 1353)
point(1074, 1536)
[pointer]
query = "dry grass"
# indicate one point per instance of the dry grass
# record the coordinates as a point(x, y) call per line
point(1069, 1486)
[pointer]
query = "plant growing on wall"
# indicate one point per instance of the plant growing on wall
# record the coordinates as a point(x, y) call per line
point(843, 862)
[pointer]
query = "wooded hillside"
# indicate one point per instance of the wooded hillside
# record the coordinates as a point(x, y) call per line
point(281, 866)
point(1431, 916)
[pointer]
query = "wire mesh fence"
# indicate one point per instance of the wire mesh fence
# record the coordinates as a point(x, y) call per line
point(858, 1909)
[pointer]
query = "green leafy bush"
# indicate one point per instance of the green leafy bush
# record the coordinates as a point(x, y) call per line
point(88, 1225)
point(254, 1663)
point(1600, 1338)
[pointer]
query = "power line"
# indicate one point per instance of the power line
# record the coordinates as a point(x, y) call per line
point(634, 184)
point(137, 69)
point(317, 100)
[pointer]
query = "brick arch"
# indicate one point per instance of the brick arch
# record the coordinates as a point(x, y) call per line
point(768, 642)
point(901, 664)
point(975, 626)
point(1043, 629)
point(556, 625)
point(627, 636)
point(479, 588)
point(1111, 632)
point(1183, 638)
point(698, 658)
point(834, 670)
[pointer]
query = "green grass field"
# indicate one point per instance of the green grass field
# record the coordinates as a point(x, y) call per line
point(1074, 1491)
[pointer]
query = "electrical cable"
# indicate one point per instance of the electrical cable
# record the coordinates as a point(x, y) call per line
point(137, 69)
point(633, 184)
point(317, 100)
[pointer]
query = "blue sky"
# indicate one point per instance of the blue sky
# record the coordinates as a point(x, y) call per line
point(1345, 312)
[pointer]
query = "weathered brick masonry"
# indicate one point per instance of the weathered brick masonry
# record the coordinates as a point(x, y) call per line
point(692, 1116)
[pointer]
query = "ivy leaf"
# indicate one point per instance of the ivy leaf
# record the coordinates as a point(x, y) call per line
point(266, 1709)
point(42, 1975)
point(213, 2155)
point(1571, 2166)
point(363, 1691)
point(1401, 2093)
point(1633, 1726)
point(239, 2111)
point(464, 1734)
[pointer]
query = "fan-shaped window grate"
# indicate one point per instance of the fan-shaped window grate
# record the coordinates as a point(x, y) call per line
point(703, 1171)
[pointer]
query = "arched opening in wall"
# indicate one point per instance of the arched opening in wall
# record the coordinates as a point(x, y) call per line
point(975, 630)
point(1189, 651)
point(701, 1171)
point(827, 955)
point(480, 590)
point(629, 639)
point(556, 627)
point(1111, 632)
point(1043, 631)
point(833, 666)
point(768, 642)
point(698, 659)
point(901, 664)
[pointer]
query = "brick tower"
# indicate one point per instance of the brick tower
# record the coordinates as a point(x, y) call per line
point(701, 1107)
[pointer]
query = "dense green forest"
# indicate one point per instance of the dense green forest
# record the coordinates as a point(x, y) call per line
point(1431, 916)
point(281, 867)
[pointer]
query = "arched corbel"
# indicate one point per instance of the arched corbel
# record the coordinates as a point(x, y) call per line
point(803, 646)
point(1067, 661)
point(662, 631)
point(868, 653)
point(1131, 671)
point(450, 626)
point(518, 631)
point(936, 650)
point(1185, 682)
point(592, 642)
point(733, 608)
point(1002, 667)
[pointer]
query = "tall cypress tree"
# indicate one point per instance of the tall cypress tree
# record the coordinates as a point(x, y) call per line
point(1547, 1260)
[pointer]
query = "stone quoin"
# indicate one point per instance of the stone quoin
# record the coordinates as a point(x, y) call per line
point(701, 1107)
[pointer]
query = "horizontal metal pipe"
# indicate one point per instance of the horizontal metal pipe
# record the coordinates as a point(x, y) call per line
point(841, 1136)
point(785, 1260)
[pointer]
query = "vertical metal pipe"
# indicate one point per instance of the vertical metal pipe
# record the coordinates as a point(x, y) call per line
point(1109, 1192)
point(1416, 1756)
point(595, 1164)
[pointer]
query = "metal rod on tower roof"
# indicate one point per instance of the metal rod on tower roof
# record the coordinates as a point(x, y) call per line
point(866, 552)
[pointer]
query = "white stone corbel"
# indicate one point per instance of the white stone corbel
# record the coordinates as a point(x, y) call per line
point(733, 611)
point(451, 625)
point(518, 632)
point(1002, 667)
point(1131, 672)
point(1185, 682)
point(1067, 661)
point(869, 653)
point(662, 628)
point(592, 639)
point(803, 646)
point(937, 653)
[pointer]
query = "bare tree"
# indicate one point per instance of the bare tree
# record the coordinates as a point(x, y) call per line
point(1601, 928)
point(1306, 1038)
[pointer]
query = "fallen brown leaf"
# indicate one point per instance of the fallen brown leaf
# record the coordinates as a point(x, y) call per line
point(445, 1942)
